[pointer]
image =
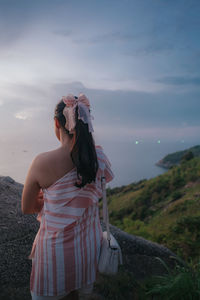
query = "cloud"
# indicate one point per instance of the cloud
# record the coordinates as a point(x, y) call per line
point(33, 112)
point(114, 36)
point(137, 43)
point(15, 20)
point(150, 48)
point(122, 133)
point(139, 109)
point(18, 98)
point(180, 80)
point(120, 118)
point(22, 115)
point(65, 87)
point(124, 107)
point(63, 32)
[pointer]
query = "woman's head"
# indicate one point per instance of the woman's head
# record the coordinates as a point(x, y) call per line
point(60, 121)
point(73, 115)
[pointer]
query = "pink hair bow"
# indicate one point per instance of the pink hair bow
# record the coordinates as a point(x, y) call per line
point(83, 111)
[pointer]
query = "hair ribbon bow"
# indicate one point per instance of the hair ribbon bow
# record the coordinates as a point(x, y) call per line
point(71, 102)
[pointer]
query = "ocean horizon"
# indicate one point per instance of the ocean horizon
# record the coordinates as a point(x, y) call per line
point(131, 161)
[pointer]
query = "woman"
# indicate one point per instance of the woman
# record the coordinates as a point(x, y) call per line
point(63, 186)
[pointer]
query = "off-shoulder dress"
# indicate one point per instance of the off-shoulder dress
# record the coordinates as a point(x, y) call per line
point(66, 248)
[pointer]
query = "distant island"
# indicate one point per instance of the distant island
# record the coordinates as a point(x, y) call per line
point(175, 158)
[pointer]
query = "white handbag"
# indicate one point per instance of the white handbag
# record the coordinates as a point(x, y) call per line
point(110, 253)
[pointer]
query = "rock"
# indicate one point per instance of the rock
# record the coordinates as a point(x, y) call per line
point(17, 233)
point(141, 256)
point(164, 165)
point(8, 179)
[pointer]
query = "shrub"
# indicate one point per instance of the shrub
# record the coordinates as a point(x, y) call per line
point(176, 195)
point(185, 235)
point(182, 283)
point(117, 287)
point(187, 156)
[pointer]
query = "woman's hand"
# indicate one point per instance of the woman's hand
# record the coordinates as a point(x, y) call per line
point(39, 203)
point(32, 196)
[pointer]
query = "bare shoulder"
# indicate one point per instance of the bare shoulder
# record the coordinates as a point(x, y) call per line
point(43, 159)
point(42, 163)
point(50, 166)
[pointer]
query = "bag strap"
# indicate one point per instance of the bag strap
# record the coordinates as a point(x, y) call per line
point(105, 207)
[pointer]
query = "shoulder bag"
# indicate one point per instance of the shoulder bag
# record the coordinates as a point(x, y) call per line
point(110, 252)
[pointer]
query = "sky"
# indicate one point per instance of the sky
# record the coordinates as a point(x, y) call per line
point(138, 62)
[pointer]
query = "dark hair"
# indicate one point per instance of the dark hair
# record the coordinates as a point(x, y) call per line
point(83, 152)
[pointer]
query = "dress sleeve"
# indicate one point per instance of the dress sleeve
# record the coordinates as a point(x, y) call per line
point(104, 164)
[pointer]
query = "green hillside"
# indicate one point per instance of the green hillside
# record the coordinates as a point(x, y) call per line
point(176, 157)
point(164, 209)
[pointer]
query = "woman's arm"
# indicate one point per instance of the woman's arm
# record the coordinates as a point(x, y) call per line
point(32, 196)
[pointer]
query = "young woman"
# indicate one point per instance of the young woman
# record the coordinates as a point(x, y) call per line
point(63, 186)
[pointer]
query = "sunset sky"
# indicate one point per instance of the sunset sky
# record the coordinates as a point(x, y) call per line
point(138, 61)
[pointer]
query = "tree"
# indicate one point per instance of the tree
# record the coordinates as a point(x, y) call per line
point(187, 156)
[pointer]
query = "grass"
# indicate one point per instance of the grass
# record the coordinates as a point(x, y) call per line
point(120, 286)
point(154, 208)
point(182, 283)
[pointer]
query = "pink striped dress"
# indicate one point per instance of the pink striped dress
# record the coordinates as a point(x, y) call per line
point(66, 248)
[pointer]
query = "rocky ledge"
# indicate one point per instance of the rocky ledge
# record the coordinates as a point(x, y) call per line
point(17, 232)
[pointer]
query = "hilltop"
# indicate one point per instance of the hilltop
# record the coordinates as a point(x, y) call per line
point(175, 158)
point(18, 231)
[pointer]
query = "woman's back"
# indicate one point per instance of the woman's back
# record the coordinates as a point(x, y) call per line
point(52, 165)
point(60, 194)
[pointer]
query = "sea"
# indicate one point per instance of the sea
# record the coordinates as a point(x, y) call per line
point(130, 161)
